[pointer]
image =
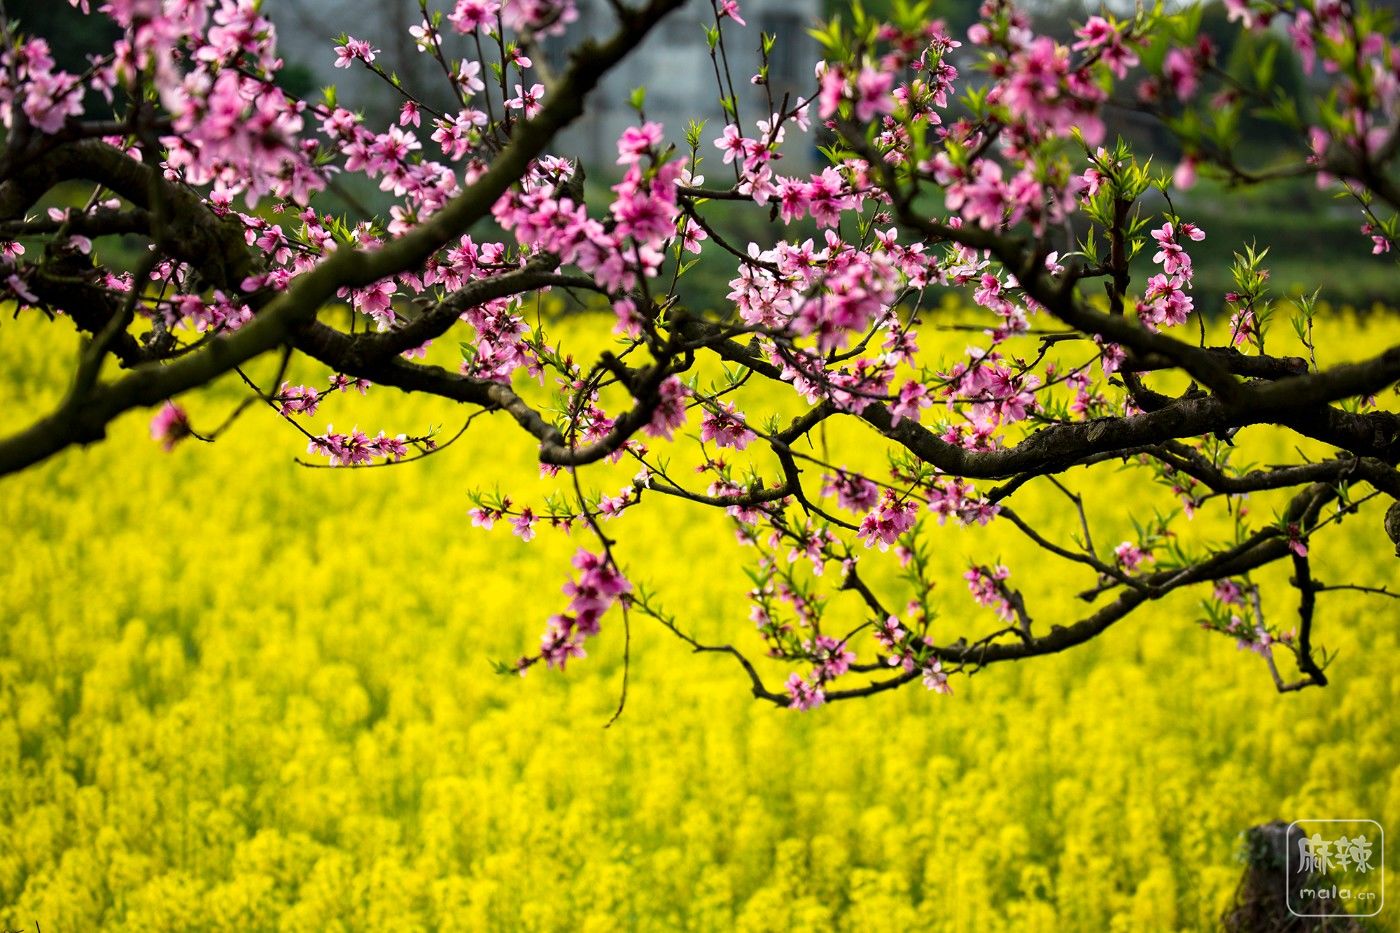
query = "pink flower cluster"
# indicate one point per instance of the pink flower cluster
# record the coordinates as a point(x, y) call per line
point(170, 426)
point(950, 496)
point(1182, 69)
point(981, 194)
point(752, 156)
point(499, 349)
point(297, 400)
point(831, 658)
point(1045, 95)
point(892, 518)
point(644, 213)
point(357, 448)
point(49, 97)
point(852, 491)
point(1129, 556)
point(725, 427)
point(1257, 639)
point(829, 294)
point(470, 15)
point(988, 588)
point(670, 411)
point(599, 585)
point(544, 17)
point(804, 694)
point(1106, 40)
point(237, 131)
point(993, 394)
point(212, 65)
point(911, 653)
point(1229, 592)
point(1165, 302)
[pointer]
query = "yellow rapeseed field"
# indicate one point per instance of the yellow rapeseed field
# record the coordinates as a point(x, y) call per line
point(240, 694)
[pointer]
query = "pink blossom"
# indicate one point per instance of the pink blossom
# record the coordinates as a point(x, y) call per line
point(528, 101)
point(933, 677)
point(391, 448)
point(645, 209)
point(730, 9)
point(949, 496)
point(733, 143)
point(824, 197)
point(471, 15)
point(891, 519)
point(560, 643)
point(1129, 556)
point(726, 427)
point(298, 400)
point(1170, 254)
point(692, 235)
point(375, 300)
point(483, 517)
point(20, 288)
point(670, 409)
point(468, 77)
point(803, 695)
point(1229, 592)
point(598, 586)
point(1300, 30)
point(170, 426)
point(1095, 33)
point(612, 506)
point(832, 89)
point(1099, 34)
point(792, 199)
point(988, 588)
point(524, 524)
point(50, 99)
point(1181, 72)
point(1046, 96)
point(1184, 178)
point(889, 633)
point(637, 141)
point(353, 449)
point(873, 94)
point(548, 17)
point(912, 398)
point(852, 491)
point(352, 49)
point(832, 656)
point(341, 383)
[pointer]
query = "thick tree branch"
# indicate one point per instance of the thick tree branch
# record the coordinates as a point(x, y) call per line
point(82, 418)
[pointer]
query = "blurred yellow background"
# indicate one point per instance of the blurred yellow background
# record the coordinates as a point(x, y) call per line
point(239, 694)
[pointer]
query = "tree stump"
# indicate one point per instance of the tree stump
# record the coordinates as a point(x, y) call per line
point(1260, 904)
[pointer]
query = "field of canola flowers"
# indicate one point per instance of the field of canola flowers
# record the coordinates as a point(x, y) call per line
point(238, 694)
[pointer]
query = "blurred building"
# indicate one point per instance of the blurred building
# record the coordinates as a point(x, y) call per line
point(673, 64)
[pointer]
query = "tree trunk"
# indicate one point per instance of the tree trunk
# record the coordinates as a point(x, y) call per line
point(1260, 904)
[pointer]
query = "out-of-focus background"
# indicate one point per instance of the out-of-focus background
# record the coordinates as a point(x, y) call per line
point(241, 694)
point(1314, 240)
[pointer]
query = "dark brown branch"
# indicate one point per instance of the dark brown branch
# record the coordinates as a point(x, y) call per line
point(86, 418)
point(1307, 604)
point(1259, 549)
